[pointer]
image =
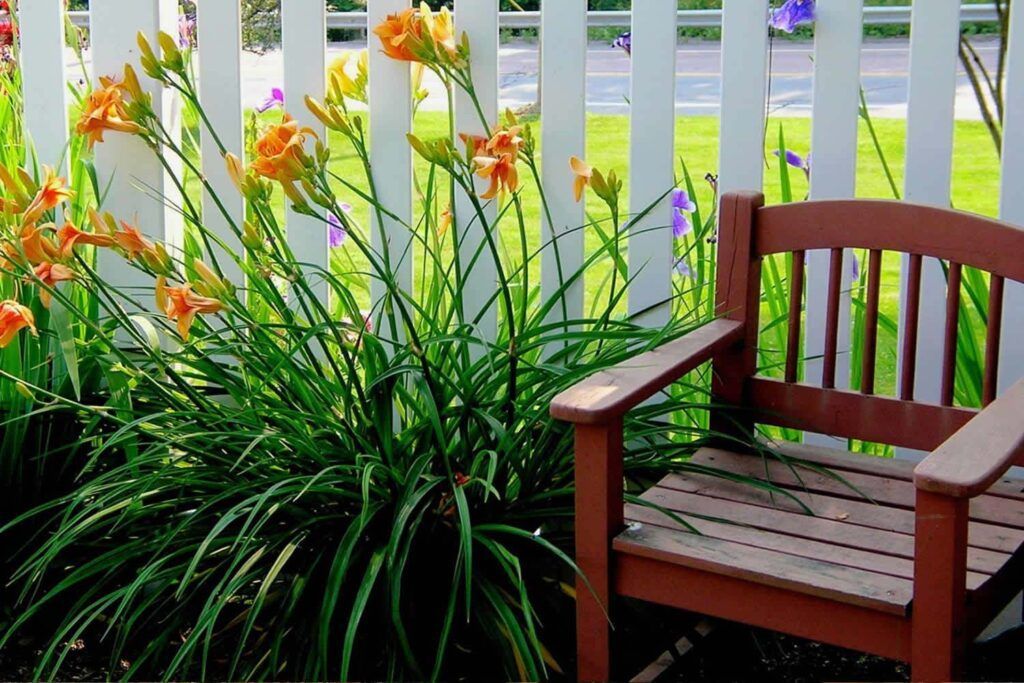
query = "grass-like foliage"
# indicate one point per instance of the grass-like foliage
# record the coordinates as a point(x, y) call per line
point(282, 485)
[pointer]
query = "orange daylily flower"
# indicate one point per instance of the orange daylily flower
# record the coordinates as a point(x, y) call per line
point(131, 240)
point(14, 317)
point(476, 145)
point(505, 141)
point(36, 245)
point(52, 192)
point(279, 153)
point(181, 304)
point(347, 76)
point(105, 109)
point(400, 34)
point(501, 171)
point(445, 222)
point(50, 274)
point(441, 27)
point(583, 172)
point(70, 235)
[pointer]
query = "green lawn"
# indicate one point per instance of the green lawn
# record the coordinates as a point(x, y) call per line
point(974, 187)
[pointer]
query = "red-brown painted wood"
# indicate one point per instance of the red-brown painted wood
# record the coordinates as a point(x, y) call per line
point(796, 305)
point(885, 562)
point(835, 284)
point(911, 317)
point(799, 614)
point(938, 626)
point(950, 334)
point(598, 519)
point(849, 414)
point(971, 460)
point(737, 297)
point(868, 360)
point(892, 226)
point(612, 392)
point(993, 338)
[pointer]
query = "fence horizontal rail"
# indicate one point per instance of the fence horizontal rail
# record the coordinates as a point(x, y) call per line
point(703, 18)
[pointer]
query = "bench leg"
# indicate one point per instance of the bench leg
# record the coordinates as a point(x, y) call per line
point(598, 519)
point(938, 646)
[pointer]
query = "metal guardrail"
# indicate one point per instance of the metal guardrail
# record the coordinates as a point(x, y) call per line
point(701, 18)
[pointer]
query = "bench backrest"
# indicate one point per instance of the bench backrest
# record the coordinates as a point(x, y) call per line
point(750, 232)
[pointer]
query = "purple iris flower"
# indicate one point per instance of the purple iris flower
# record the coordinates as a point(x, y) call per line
point(276, 99)
point(792, 14)
point(683, 268)
point(186, 31)
point(681, 200)
point(681, 203)
point(797, 161)
point(680, 224)
point(336, 234)
point(625, 41)
point(855, 267)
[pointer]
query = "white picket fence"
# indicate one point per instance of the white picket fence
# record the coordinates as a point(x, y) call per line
point(934, 30)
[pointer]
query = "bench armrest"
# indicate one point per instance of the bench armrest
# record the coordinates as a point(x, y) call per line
point(971, 460)
point(611, 393)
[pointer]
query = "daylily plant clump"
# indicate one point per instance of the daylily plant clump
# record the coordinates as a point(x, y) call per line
point(280, 483)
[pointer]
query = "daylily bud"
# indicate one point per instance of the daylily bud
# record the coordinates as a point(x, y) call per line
point(320, 112)
point(206, 273)
point(27, 181)
point(315, 195)
point(102, 224)
point(420, 147)
point(150, 64)
point(172, 55)
point(158, 260)
point(131, 83)
point(251, 237)
point(599, 185)
point(23, 389)
point(236, 170)
point(295, 196)
point(323, 153)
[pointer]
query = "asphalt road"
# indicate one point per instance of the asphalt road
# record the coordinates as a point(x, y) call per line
point(884, 74)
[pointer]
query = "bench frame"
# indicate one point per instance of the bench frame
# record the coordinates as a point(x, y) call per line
point(970, 449)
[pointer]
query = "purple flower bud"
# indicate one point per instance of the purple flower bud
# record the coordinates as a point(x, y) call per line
point(625, 41)
point(683, 268)
point(336, 234)
point(276, 99)
point(791, 14)
point(796, 161)
point(855, 267)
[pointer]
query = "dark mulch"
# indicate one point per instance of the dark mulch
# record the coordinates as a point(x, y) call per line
point(736, 653)
point(732, 652)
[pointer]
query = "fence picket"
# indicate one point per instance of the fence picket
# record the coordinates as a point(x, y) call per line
point(43, 72)
point(1011, 204)
point(390, 156)
point(479, 20)
point(220, 92)
point(934, 32)
point(304, 43)
point(837, 41)
point(563, 96)
point(744, 66)
point(651, 159)
point(142, 190)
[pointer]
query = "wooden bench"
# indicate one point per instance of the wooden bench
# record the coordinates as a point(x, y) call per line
point(904, 561)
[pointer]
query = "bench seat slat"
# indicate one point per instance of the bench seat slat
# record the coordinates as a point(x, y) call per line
point(823, 579)
point(854, 485)
point(800, 527)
